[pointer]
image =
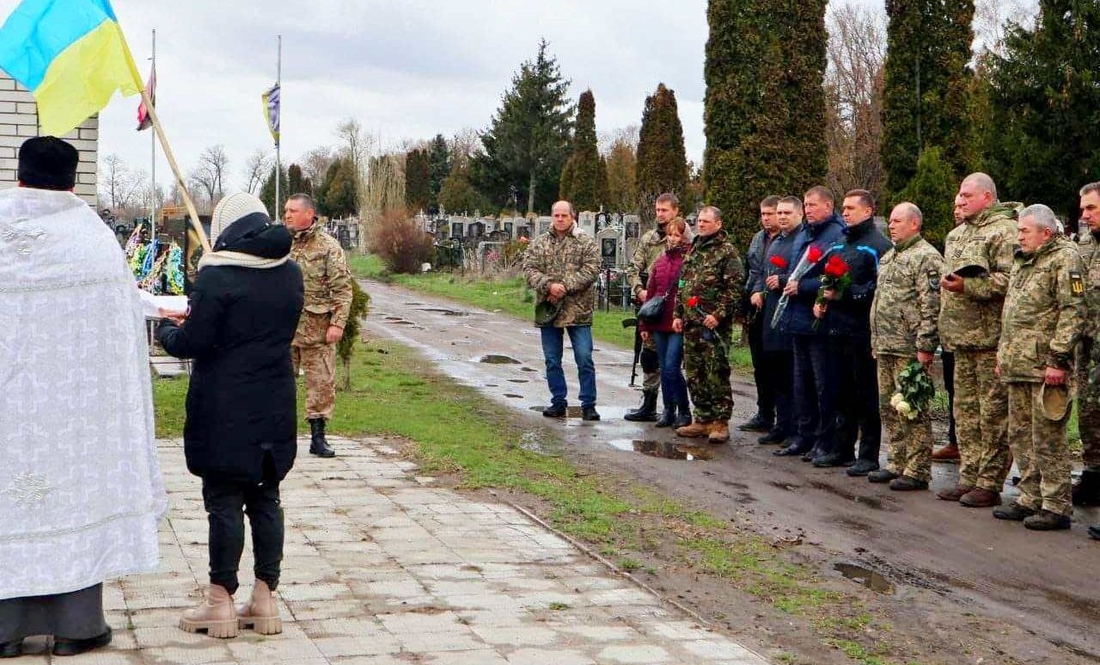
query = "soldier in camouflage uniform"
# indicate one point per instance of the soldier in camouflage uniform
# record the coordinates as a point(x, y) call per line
point(650, 246)
point(328, 302)
point(562, 266)
point(904, 319)
point(1087, 491)
point(1044, 316)
point(710, 290)
point(970, 325)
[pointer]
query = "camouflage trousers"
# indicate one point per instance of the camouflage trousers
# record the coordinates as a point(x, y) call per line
point(310, 353)
point(910, 440)
point(651, 366)
point(981, 415)
point(1088, 405)
point(707, 371)
point(1039, 445)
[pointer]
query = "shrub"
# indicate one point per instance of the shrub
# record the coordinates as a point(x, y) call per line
point(401, 244)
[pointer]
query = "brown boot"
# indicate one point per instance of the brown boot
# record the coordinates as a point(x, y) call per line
point(979, 498)
point(719, 431)
point(216, 616)
point(949, 453)
point(695, 430)
point(955, 493)
point(261, 612)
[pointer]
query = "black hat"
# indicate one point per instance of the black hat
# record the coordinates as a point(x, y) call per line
point(47, 162)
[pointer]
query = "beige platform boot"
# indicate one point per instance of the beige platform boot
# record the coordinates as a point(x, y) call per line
point(261, 612)
point(216, 616)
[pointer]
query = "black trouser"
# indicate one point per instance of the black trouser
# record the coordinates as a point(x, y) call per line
point(762, 372)
point(780, 368)
point(816, 377)
point(226, 503)
point(857, 413)
point(949, 383)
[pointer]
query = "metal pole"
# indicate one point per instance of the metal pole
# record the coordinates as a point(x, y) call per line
point(153, 166)
point(278, 157)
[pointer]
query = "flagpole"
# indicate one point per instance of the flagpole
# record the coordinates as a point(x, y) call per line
point(278, 161)
point(153, 167)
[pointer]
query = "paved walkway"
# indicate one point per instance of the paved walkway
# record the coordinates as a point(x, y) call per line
point(382, 568)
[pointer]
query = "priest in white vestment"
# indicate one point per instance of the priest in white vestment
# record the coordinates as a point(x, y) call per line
point(80, 488)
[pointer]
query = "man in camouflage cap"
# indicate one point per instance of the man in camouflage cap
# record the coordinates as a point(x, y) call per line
point(1087, 491)
point(650, 246)
point(562, 266)
point(904, 320)
point(978, 257)
point(1044, 316)
point(328, 303)
point(706, 305)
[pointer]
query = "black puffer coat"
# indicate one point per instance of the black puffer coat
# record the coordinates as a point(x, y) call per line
point(241, 401)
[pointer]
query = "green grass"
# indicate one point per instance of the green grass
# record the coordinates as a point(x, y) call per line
point(512, 297)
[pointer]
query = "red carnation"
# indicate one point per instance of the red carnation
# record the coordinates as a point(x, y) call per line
point(814, 254)
point(693, 301)
point(778, 262)
point(835, 266)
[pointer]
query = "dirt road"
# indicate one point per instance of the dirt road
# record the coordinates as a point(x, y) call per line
point(955, 571)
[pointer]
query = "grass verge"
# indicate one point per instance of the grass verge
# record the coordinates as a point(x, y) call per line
point(455, 431)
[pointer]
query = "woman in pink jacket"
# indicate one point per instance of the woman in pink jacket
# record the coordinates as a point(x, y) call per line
point(663, 280)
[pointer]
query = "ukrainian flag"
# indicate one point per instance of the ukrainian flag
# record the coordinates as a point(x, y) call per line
point(71, 54)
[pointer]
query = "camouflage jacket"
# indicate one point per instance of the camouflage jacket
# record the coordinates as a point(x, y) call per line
point(906, 308)
point(714, 274)
point(650, 247)
point(971, 320)
point(1089, 247)
point(325, 273)
point(1044, 313)
point(572, 260)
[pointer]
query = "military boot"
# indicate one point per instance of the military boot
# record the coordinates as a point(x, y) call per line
point(948, 453)
point(261, 612)
point(908, 484)
point(216, 616)
point(317, 445)
point(980, 498)
point(647, 412)
point(1013, 512)
point(1045, 520)
point(719, 432)
point(695, 430)
point(1087, 490)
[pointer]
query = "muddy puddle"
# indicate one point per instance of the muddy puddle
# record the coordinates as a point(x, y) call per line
point(663, 449)
point(444, 312)
point(513, 396)
point(496, 359)
point(517, 380)
point(527, 369)
point(874, 581)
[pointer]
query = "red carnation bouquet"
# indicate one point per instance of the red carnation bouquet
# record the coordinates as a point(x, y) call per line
point(778, 262)
point(837, 277)
point(809, 259)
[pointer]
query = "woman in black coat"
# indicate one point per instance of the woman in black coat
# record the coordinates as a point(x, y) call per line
point(241, 429)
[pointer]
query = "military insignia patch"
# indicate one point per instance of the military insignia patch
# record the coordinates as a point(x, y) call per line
point(1076, 284)
point(933, 280)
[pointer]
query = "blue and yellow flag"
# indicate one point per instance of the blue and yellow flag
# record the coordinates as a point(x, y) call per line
point(72, 55)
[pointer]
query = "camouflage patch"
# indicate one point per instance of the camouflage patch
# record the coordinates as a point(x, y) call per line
point(1076, 283)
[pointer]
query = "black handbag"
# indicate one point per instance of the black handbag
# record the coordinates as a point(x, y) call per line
point(653, 309)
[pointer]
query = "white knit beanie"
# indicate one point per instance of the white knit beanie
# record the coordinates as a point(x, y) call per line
point(230, 209)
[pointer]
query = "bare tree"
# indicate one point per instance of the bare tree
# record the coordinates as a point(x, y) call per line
point(117, 183)
point(464, 144)
point(622, 137)
point(315, 164)
point(256, 169)
point(853, 94)
point(355, 143)
point(990, 19)
point(208, 175)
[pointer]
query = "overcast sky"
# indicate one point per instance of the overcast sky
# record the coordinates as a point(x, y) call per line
point(406, 69)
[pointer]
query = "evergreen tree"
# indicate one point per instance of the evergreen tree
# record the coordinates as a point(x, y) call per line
point(267, 192)
point(926, 96)
point(458, 194)
point(418, 192)
point(340, 191)
point(528, 140)
point(933, 189)
point(1046, 106)
point(296, 182)
point(439, 167)
point(764, 112)
point(581, 179)
point(662, 162)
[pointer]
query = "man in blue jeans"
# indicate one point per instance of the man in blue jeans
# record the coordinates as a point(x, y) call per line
point(562, 266)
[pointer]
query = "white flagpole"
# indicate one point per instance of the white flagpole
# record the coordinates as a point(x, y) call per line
point(278, 162)
point(153, 166)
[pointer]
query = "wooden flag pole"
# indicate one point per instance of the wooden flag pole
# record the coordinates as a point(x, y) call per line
point(191, 211)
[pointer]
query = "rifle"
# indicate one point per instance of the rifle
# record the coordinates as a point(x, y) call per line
point(633, 323)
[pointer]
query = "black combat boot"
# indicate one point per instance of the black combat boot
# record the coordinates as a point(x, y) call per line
point(317, 445)
point(1087, 490)
point(668, 418)
point(647, 412)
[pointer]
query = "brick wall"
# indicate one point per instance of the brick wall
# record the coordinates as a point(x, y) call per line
point(19, 121)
